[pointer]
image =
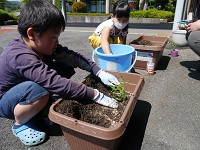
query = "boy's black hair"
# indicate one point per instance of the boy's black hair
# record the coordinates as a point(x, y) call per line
point(121, 9)
point(41, 15)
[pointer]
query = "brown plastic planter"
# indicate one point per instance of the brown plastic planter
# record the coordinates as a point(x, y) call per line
point(147, 52)
point(85, 136)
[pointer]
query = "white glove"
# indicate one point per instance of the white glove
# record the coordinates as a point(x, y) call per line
point(107, 78)
point(102, 99)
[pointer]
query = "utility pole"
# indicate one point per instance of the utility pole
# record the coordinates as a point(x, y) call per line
point(178, 13)
point(64, 10)
point(107, 6)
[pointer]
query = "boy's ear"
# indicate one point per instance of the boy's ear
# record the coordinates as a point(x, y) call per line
point(30, 33)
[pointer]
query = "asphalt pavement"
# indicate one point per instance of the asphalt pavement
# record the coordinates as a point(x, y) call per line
point(167, 113)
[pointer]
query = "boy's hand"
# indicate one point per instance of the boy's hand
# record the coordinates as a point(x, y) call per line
point(102, 99)
point(107, 78)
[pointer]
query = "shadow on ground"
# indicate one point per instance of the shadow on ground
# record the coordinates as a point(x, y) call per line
point(134, 134)
point(192, 66)
point(51, 130)
point(163, 63)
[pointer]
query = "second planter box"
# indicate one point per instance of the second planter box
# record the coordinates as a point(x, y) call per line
point(148, 47)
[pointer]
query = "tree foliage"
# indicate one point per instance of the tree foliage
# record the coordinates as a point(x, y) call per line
point(152, 13)
point(58, 3)
point(170, 6)
point(167, 5)
point(72, 1)
point(25, 1)
point(4, 16)
point(79, 7)
point(2, 4)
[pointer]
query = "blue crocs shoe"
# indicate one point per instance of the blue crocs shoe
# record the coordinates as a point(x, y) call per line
point(29, 134)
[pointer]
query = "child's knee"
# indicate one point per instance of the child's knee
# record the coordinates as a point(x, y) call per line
point(33, 92)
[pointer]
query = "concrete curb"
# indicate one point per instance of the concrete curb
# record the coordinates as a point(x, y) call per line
point(98, 19)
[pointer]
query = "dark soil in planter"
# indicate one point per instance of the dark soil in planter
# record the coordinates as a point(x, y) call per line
point(147, 43)
point(90, 112)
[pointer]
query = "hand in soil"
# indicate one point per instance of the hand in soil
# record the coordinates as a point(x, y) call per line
point(107, 78)
point(102, 99)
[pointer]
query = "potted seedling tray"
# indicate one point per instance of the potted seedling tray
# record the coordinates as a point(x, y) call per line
point(148, 47)
point(82, 135)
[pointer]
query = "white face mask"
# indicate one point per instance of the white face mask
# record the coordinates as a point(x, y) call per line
point(120, 25)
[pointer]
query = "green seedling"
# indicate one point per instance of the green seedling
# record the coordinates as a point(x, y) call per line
point(118, 91)
point(172, 45)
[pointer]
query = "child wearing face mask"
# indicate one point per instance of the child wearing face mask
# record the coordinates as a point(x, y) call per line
point(114, 30)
